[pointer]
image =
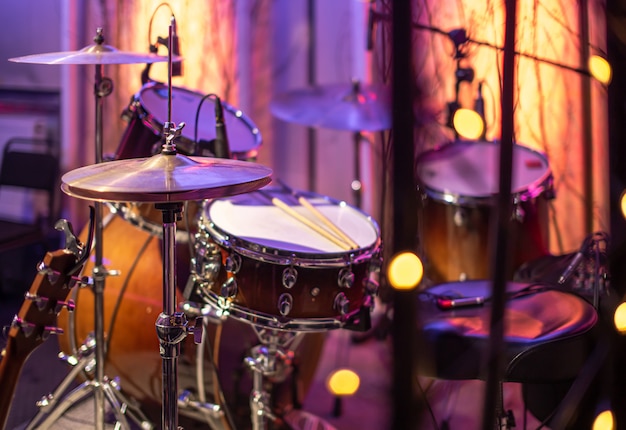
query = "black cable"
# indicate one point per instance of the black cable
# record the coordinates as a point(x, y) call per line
point(195, 129)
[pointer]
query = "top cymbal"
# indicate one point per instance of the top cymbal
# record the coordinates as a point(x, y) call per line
point(164, 178)
point(92, 54)
point(356, 107)
point(97, 53)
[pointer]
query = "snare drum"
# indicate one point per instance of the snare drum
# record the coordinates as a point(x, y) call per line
point(261, 265)
point(458, 183)
point(147, 113)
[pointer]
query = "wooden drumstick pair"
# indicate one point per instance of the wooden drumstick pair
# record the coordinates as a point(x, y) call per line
point(332, 232)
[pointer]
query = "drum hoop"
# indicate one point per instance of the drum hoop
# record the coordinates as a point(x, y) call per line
point(230, 309)
point(533, 190)
point(153, 124)
point(282, 257)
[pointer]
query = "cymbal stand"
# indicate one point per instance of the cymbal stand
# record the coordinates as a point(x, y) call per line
point(171, 326)
point(100, 385)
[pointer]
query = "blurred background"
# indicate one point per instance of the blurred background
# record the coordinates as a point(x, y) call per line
point(251, 53)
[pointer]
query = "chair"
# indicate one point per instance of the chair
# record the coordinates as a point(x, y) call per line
point(29, 176)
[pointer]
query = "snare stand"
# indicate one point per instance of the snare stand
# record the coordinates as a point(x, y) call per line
point(270, 358)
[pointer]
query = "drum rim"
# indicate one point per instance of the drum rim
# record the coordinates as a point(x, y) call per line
point(282, 257)
point(150, 121)
point(531, 191)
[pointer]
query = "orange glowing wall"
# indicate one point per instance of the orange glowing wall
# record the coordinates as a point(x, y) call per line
point(548, 100)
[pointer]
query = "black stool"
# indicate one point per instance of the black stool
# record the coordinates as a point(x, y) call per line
point(549, 333)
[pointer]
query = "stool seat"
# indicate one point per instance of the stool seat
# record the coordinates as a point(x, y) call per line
point(548, 333)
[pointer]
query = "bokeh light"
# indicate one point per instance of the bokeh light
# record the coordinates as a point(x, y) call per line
point(600, 69)
point(343, 382)
point(604, 421)
point(405, 271)
point(468, 123)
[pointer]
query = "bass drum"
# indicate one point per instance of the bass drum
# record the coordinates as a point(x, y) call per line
point(132, 302)
point(459, 183)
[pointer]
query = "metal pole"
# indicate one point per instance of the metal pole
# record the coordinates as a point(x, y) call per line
point(406, 404)
point(500, 258)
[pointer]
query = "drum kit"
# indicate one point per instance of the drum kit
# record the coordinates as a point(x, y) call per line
point(310, 270)
point(313, 268)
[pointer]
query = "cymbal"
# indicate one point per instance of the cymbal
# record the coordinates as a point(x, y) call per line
point(355, 107)
point(164, 178)
point(93, 54)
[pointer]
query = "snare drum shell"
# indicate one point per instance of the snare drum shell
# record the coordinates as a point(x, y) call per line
point(260, 287)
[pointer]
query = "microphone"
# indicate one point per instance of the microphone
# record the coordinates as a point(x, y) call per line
point(177, 66)
point(573, 264)
point(221, 147)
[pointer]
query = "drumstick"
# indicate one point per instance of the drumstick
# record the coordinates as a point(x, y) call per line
point(282, 205)
point(304, 202)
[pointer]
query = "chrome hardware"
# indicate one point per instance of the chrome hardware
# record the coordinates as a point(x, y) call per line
point(285, 304)
point(341, 303)
point(345, 278)
point(315, 291)
point(229, 288)
point(290, 276)
point(233, 263)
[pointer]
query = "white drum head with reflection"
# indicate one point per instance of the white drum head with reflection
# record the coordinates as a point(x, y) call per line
point(254, 219)
point(471, 169)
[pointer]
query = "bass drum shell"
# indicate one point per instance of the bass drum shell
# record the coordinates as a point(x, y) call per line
point(132, 302)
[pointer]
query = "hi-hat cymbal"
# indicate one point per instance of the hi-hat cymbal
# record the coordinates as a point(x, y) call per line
point(93, 54)
point(355, 107)
point(164, 178)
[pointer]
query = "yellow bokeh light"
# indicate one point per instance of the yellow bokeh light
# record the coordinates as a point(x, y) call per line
point(619, 318)
point(468, 123)
point(405, 271)
point(600, 69)
point(622, 203)
point(604, 421)
point(343, 382)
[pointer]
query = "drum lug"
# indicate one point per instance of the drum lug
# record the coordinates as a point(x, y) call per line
point(233, 263)
point(341, 303)
point(459, 217)
point(290, 276)
point(285, 304)
point(518, 213)
point(346, 278)
point(229, 288)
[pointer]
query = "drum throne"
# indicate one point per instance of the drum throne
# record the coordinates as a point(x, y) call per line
point(548, 338)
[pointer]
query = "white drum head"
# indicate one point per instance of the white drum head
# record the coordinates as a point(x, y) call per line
point(252, 220)
point(470, 169)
